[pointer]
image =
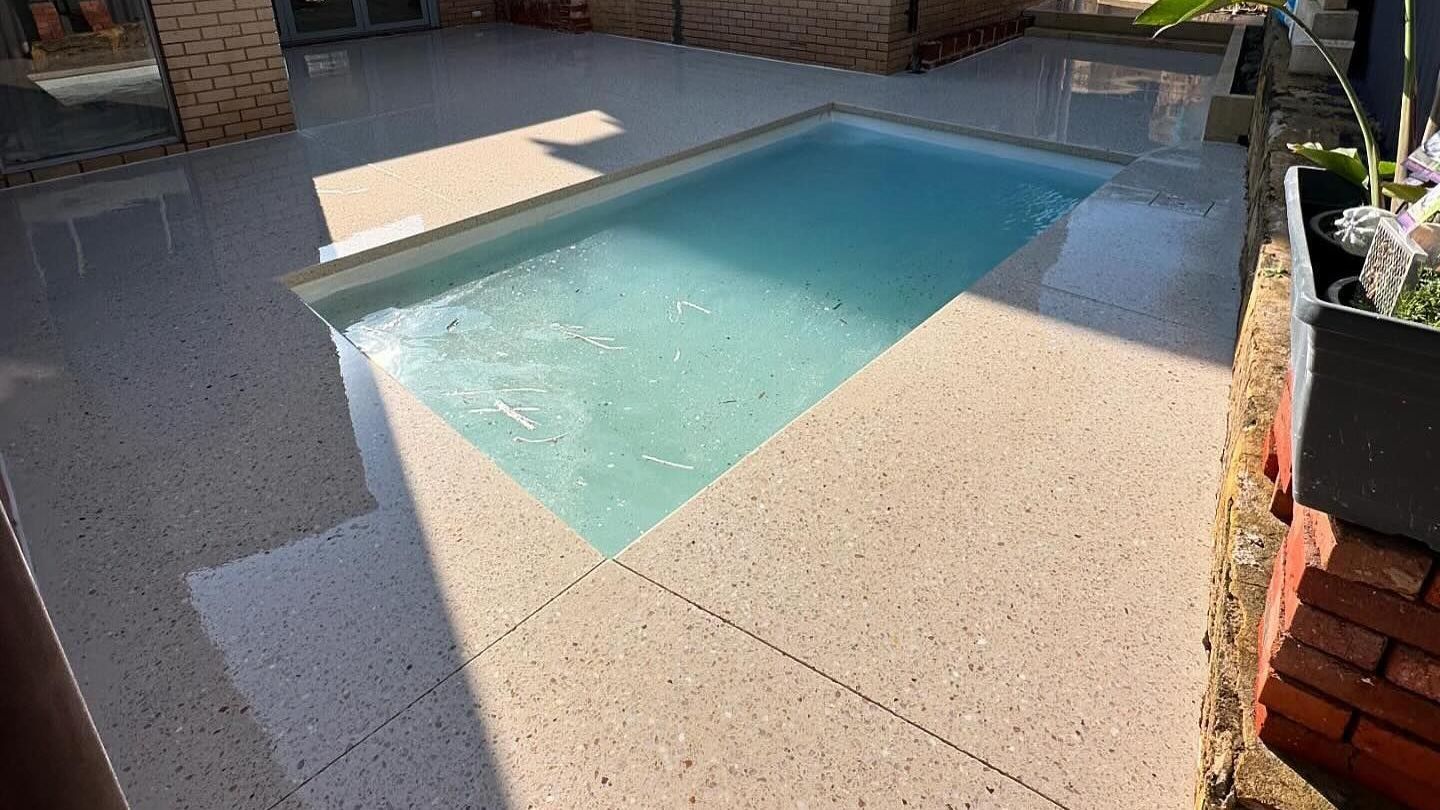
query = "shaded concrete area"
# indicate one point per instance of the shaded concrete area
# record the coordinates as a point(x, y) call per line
point(172, 415)
point(279, 577)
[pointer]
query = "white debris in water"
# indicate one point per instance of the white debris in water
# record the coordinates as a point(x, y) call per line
point(676, 465)
point(520, 419)
point(487, 391)
point(594, 340)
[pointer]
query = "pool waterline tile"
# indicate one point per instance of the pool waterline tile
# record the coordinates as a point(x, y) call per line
point(615, 358)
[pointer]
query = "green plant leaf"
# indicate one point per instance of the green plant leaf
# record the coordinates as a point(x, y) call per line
point(1344, 162)
point(1404, 192)
point(1165, 13)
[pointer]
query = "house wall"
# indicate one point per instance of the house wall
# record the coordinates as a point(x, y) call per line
point(226, 71)
point(868, 35)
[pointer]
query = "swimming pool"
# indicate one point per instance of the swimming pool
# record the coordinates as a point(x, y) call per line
point(617, 349)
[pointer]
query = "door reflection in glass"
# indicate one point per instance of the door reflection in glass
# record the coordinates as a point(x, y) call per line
point(77, 76)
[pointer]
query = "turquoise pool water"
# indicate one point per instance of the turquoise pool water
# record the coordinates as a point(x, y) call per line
point(616, 360)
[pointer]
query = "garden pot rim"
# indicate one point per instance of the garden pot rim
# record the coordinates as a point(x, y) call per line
point(1311, 307)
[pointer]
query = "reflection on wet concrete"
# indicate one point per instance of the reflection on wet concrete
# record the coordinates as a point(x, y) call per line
point(256, 551)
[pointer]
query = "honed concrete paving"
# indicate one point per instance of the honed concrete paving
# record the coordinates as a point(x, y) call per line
point(277, 575)
point(996, 529)
point(622, 694)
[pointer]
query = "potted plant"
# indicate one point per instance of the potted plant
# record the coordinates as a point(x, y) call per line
point(1366, 387)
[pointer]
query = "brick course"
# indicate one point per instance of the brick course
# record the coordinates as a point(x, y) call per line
point(1414, 670)
point(1282, 734)
point(1332, 634)
point(1384, 611)
point(955, 45)
point(1320, 714)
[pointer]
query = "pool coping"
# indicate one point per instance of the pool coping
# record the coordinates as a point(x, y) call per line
point(318, 280)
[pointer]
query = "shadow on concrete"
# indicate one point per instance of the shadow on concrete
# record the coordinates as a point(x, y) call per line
point(218, 516)
point(219, 522)
point(416, 105)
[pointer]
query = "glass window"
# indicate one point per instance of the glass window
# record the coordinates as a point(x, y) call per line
point(77, 76)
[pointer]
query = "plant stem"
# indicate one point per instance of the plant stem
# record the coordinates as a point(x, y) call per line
point(1367, 132)
point(1407, 97)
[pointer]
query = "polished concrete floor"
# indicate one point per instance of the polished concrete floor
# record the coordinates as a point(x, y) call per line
point(974, 575)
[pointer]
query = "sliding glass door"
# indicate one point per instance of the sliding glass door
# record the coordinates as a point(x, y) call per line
point(305, 20)
point(78, 77)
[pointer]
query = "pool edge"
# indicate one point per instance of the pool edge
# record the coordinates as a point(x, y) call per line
point(318, 280)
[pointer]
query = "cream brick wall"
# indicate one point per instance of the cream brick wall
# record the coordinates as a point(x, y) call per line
point(223, 59)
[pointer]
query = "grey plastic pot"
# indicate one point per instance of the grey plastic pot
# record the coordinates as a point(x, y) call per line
point(1366, 398)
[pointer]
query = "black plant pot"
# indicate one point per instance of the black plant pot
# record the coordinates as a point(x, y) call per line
point(1366, 398)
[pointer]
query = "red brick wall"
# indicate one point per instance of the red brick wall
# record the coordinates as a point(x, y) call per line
point(462, 12)
point(943, 16)
point(561, 15)
point(20, 178)
point(645, 19)
point(866, 35)
point(1350, 657)
point(856, 34)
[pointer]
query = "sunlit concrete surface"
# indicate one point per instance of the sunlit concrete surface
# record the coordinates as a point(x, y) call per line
point(973, 573)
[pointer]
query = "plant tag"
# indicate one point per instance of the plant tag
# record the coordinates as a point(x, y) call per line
point(1421, 211)
point(1392, 266)
point(1424, 162)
